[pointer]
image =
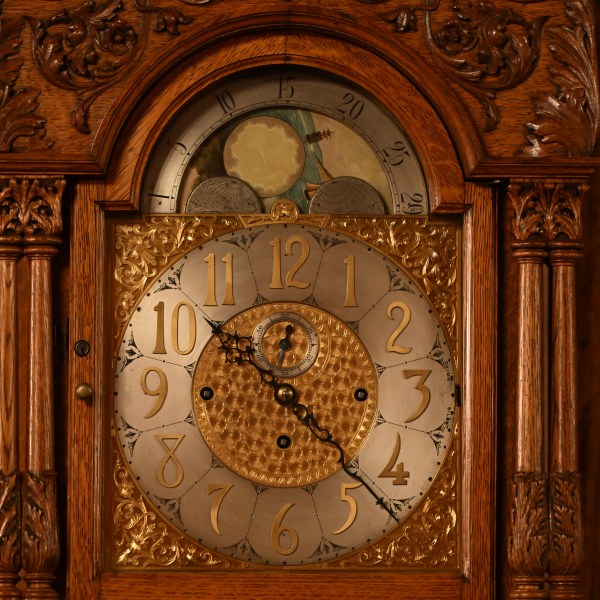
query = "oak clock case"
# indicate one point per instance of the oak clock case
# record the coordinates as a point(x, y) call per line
point(210, 469)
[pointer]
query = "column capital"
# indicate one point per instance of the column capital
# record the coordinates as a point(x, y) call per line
point(30, 209)
point(546, 212)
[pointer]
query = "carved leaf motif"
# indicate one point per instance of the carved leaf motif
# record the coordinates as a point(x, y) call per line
point(10, 512)
point(85, 50)
point(40, 529)
point(486, 50)
point(546, 211)
point(568, 121)
point(168, 19)
point(10, 43)
point(528, 542)
point(20, 128)
point(482, 48)
point(565, 523)
point(31, 208)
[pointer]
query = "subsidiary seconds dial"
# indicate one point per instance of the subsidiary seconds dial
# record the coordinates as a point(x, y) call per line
point(285, 134)
point(285, 343)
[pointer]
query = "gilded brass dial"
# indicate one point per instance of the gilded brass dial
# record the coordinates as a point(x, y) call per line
point(241, 422)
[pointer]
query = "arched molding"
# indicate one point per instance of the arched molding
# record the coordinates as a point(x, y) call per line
point(446, 139)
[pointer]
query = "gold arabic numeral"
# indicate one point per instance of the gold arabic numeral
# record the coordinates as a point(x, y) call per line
point(391, 346)
point(276, 279)
point(278, 530)
point(394, 468)
point(211, 280)
point(222, 488)
point(170, 456)
point(211, 296)
point(191, 328)
point(345, 497)
point(276, 282)
point(228, 295)
point(159, 347)
point(422, 374)
point(350, 262)
point(159, 391)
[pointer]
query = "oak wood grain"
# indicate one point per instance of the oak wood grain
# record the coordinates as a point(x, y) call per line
point(480, 392)
point(85, 417)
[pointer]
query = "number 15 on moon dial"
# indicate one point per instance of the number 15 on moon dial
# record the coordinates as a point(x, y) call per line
point(239, 473)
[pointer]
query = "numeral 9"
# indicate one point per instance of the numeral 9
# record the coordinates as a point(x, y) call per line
point(160, 391)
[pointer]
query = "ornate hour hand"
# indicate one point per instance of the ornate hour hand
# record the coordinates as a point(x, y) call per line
point(285, 344)
point(239, 350)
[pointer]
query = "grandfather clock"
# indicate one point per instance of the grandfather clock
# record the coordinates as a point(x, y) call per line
point(288, 298)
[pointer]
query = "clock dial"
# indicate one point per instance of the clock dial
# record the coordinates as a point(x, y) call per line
point(286, 343)
point(285, 133)
point(208, 444)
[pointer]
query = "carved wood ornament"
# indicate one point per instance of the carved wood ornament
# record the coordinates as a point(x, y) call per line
point(504, 89)
point(30, 221)
point(484, 48)
point(546, 513)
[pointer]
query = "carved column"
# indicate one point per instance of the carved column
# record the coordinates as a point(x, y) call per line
point(546, 524)
point(42, 225)
point(564, 489)
point(528, 542)
point(10, 489)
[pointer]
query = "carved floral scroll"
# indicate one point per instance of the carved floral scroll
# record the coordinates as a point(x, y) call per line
point(482, 48)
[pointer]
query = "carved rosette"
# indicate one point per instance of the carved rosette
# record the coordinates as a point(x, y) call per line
point(528, 543)
point(31, 208)
point(10, 513)
point(546, 211)
point(40, 526)
point(567, 121)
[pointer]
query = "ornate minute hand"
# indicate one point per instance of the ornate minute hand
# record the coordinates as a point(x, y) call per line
point(239, 350)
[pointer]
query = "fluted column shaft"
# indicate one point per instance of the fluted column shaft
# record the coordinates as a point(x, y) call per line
point(10, 488)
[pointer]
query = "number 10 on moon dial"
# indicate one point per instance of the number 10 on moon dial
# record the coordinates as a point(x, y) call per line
point(202, 435)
